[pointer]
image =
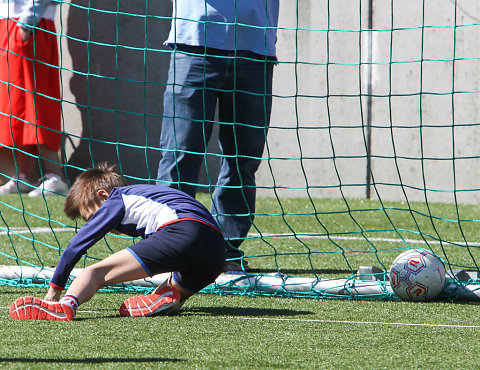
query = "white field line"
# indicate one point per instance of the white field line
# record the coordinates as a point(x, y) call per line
point(338, 237)
point(19, 230)
point(24, 230)
point(343, 322)
point(85, 311)
point(353, 322)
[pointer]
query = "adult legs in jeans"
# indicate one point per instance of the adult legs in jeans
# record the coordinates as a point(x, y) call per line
point(189, 110)
point(243, 90)
point(248, 108)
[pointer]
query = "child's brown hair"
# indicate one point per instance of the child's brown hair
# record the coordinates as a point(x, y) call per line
point(82, 196)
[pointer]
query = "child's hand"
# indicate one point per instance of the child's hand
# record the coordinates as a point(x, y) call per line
point(53, 295)
point(24, 34)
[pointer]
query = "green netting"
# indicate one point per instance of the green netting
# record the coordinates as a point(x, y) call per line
point(372, 147)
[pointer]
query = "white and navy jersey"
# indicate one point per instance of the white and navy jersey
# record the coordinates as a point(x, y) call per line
point(135, 210)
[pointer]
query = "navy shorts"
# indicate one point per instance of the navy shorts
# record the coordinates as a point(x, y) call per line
point(192, 250)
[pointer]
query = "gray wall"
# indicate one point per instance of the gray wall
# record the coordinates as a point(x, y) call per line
point(329, 78)
point(412, 105)
point(114, 73)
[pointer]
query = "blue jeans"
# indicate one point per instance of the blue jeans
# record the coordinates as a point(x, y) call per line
point(242, 86)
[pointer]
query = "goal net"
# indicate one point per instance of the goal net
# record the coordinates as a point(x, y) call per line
point(372, 147)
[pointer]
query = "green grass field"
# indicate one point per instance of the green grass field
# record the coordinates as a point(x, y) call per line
point(332, 238)
point(241, 332)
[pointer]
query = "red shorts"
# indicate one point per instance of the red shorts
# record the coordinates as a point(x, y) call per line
point(30, 107)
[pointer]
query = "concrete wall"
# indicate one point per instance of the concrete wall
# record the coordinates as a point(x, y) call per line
point(114, 73)
point(415, 69)
point(319, 135)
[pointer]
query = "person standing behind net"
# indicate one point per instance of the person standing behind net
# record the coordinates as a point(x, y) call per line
point(30, 95)
point(223, 51)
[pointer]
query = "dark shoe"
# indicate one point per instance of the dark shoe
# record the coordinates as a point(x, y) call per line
point(237, 265)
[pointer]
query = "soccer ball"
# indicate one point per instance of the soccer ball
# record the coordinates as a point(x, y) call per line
point(417, 275)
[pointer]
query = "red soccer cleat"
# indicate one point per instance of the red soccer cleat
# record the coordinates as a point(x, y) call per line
point(152, 304)
point(30, 308)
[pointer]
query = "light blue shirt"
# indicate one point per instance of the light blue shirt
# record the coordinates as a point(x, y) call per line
point(226, 24)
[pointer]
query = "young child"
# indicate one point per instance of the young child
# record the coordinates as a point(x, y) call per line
point(178, 235)
point(30, 99)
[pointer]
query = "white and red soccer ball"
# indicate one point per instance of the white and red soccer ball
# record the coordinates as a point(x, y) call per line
point(417, 275)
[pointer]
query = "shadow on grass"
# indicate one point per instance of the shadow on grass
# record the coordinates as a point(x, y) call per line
point(219, 311)
point(93, 360)
point(243, 312)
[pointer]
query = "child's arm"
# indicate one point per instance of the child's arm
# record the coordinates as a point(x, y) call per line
point(106, 218)
point(31, 14)
point(33, 11)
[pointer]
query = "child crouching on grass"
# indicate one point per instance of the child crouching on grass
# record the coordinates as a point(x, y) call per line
point(178, 233)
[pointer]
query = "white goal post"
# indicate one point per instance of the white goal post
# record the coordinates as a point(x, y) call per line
point(266, 282)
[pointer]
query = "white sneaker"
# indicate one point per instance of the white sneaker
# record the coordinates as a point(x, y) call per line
point(52, 185)
point(15, 187)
